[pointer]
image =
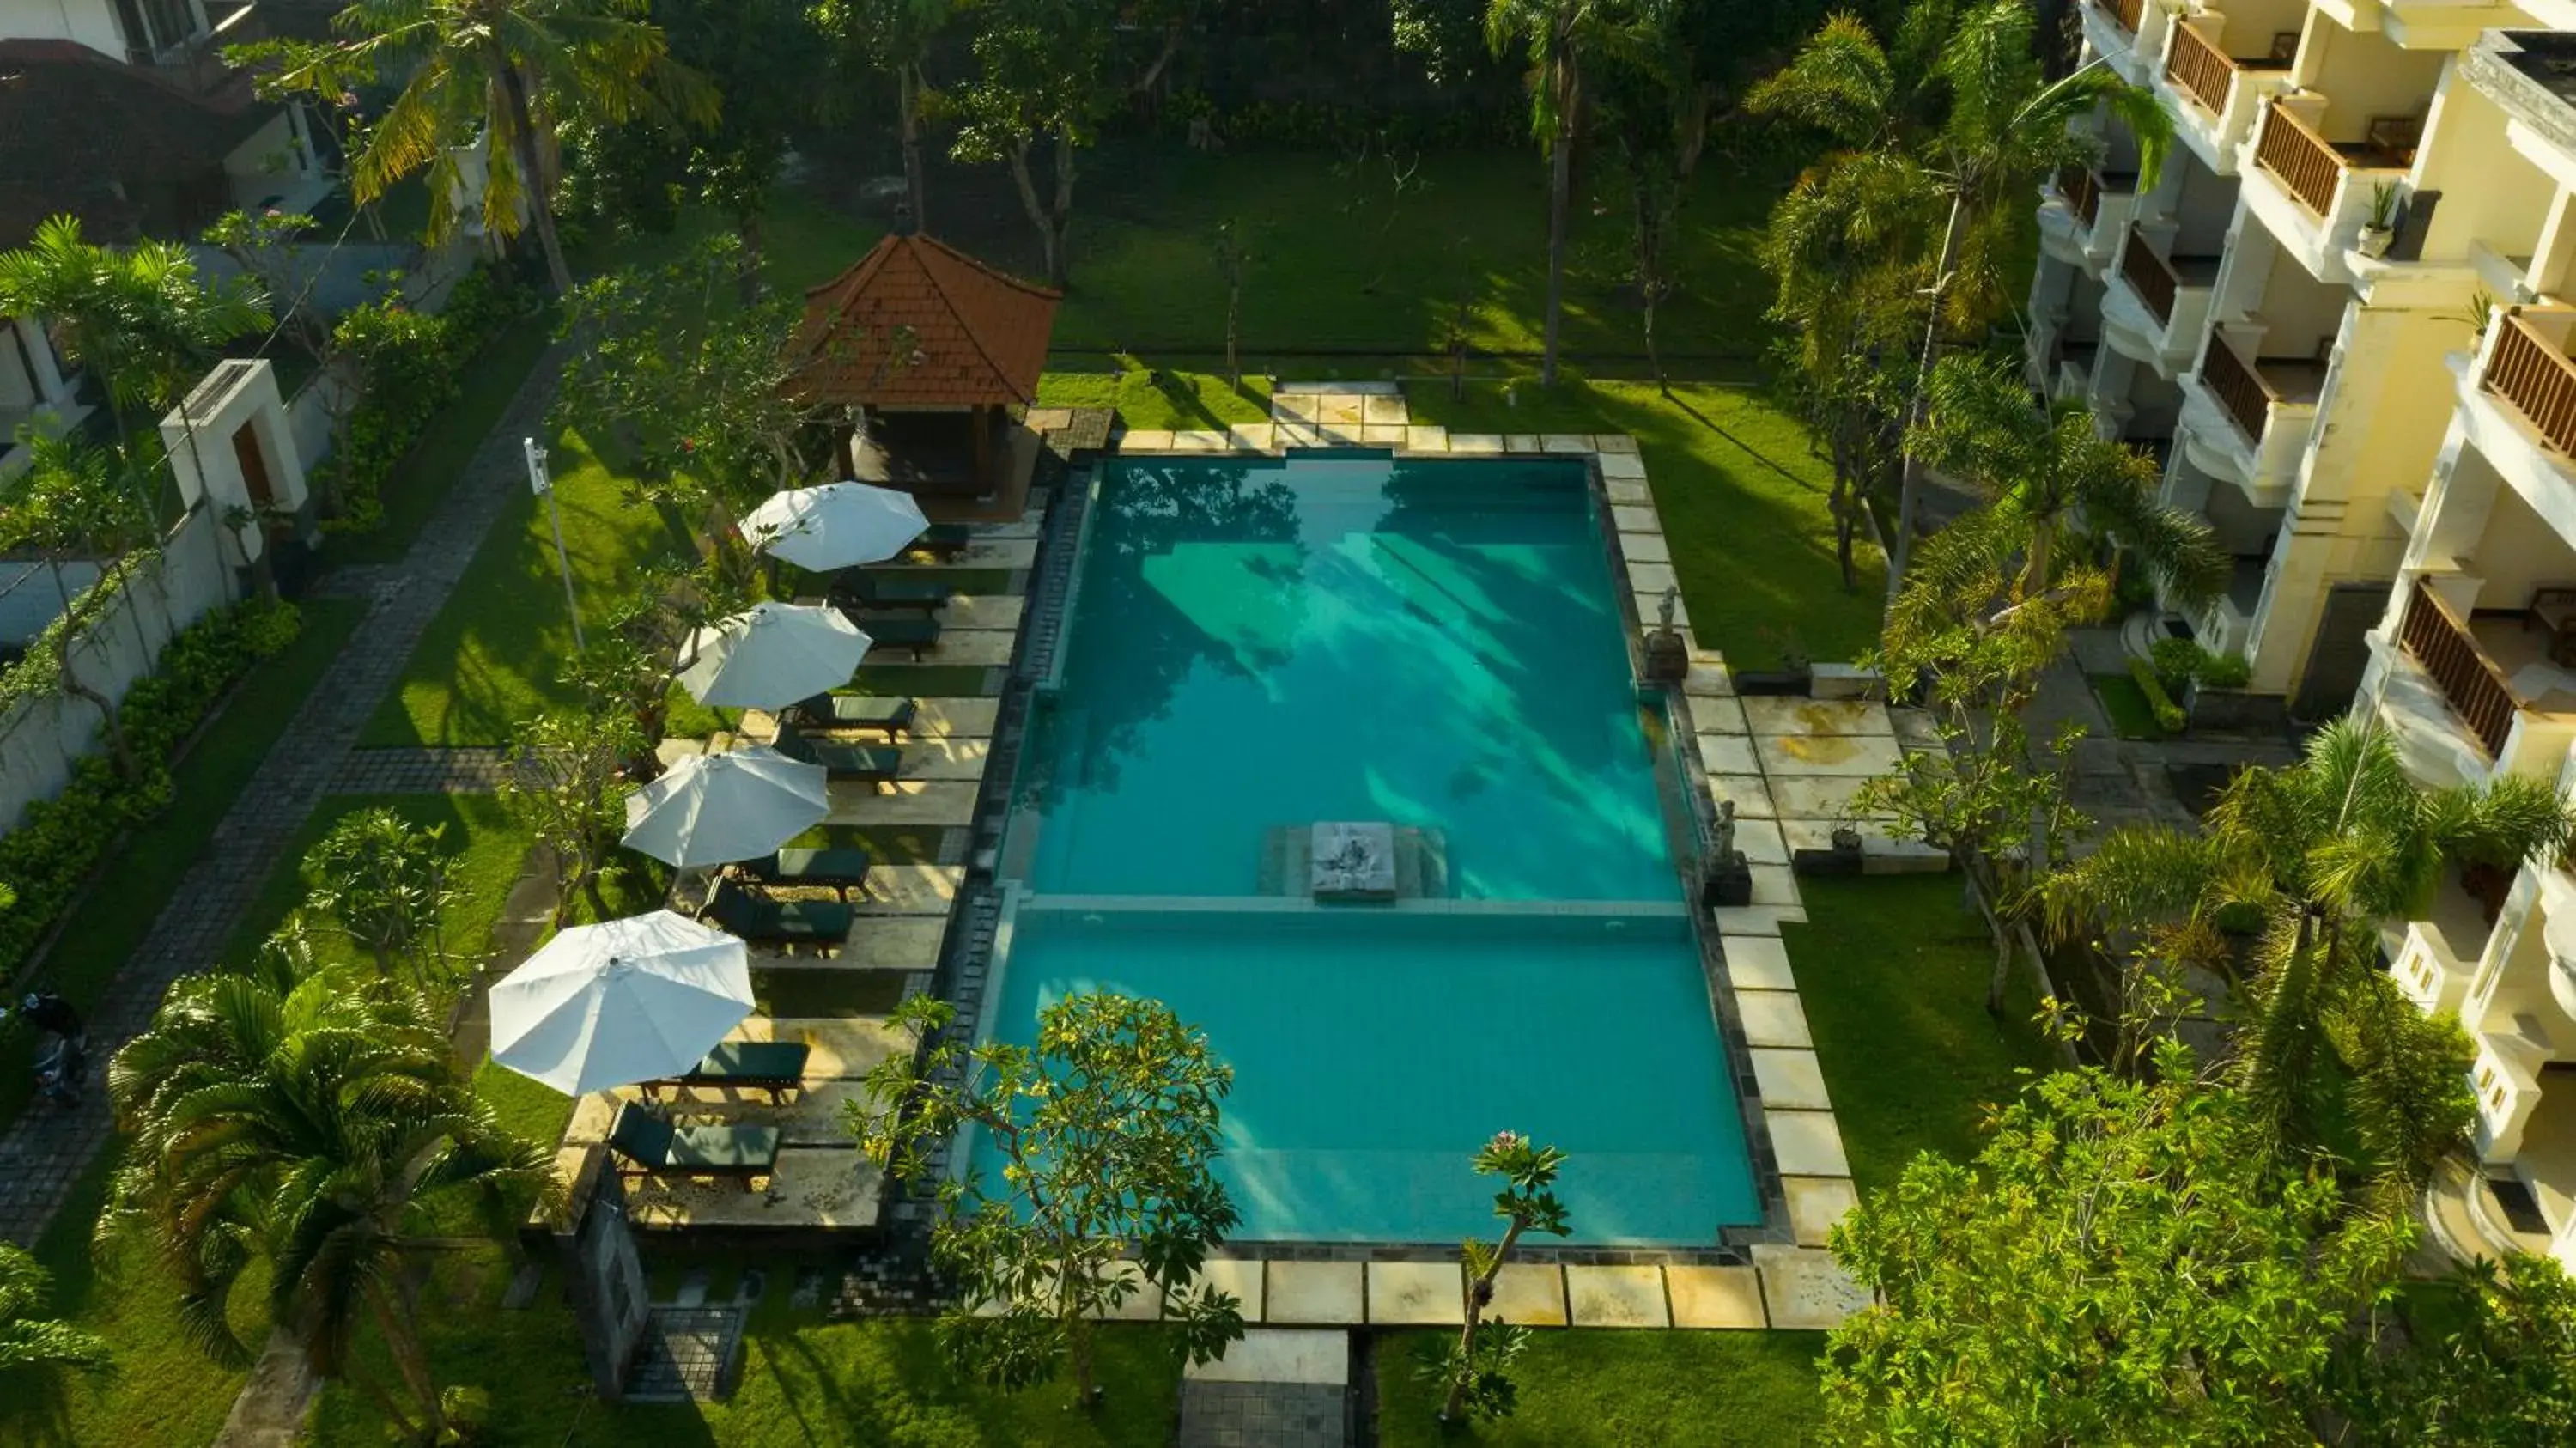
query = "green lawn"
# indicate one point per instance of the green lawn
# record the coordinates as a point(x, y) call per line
point(104, 930)
point(1742, 498)
point(493, 656)
point(1151, 397)
point(1892, 971)
point(881, 1383)
point(1620, 1390)
point(2132, 717)
point(487, 849)
point(421, 481)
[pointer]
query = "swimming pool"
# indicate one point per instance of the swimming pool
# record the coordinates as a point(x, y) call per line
point(1257, 645)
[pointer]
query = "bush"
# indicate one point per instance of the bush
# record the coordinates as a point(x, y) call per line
point(2176, 661)
point(2224, 671)
point(46, 857)
point(410, 364)
point(2169, 716)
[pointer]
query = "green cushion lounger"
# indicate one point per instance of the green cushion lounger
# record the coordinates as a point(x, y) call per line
point(842, 870)
point(857, 711)
point(648, 1146)
point(874, 763)
point(758, 920)
point(776, 1067)
point(876, 590)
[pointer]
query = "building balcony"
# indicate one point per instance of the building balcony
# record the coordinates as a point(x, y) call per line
point(2157, 305)
point(2316, 195)
point(2249, 417)
point(198, 61)
point(2214, 94)
point(2469, 694)
point(2442, 25)
point(2083, 215)
point(2126, 34)
point(2429, 971)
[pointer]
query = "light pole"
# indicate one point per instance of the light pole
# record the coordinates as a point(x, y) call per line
point(541, 483)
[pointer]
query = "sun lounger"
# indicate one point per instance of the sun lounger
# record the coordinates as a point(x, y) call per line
point(648, 1146)
point(856, 711)
point(917, 634)
point(841, 870)
point(873, 763)
point(759, 920)
point(776, 1067)
point(877, 590)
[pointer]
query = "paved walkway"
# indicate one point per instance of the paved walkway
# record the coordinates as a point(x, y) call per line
point(422, 771)
point(47, 1148)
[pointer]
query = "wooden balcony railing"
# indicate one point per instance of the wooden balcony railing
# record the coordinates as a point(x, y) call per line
point(2305, 162)
point(2537, 377)
point(2200, 68)
point(2129, 13)
point(2238, 386)
point(2151, 276)
point(2083, 194)
point(2470, 681)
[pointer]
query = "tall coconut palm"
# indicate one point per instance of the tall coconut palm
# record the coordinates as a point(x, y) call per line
point(504, 70)
point(2320, 851)
point(304, 1116)
point(1560, 38)
point(2045, 468)
point(29, 1339)
point(1961, 102)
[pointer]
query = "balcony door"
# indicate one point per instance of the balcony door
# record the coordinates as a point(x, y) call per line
point(2340, 651)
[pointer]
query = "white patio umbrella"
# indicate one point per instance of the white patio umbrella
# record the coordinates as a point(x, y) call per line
point(630, 1000)
point(715, 808)
point(838, 525)
point(771, 655)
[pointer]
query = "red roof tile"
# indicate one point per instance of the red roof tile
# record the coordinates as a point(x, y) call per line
point(968, 333)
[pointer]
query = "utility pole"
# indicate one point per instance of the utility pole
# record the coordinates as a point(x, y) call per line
point(542, 483)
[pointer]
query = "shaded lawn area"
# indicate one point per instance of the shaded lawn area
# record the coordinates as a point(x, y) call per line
point(493, 656)
point(1160, 396)
point(106, 928)
point(163, 1389)
point(1628, 1389)
point(486, 849)
point(423, 479)
point(1742, 498)
point(2132, 716)
point(1892, 971)
point(880, 1382)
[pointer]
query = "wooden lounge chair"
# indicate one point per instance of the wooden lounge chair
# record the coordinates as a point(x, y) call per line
point(872, 763)
point(943, 540)
point(920, 635)
point(856, 711)
point(648, 1146)
point(759, 920)
point(878, 590)
point(840, 870)
point(776, 1067)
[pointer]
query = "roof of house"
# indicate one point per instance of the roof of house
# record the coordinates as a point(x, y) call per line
point(94, 137)
point(918, 323)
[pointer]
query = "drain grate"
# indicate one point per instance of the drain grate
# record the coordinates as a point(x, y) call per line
point(2521, 1208)
point(686, 1354)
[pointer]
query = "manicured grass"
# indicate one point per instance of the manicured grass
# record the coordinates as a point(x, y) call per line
point(107, 927)
point(1741, 495)
point(1620, 1390)
point(487, 850)
point(1161, 399)
point(881, 1383)
point(1892, 972)
point(494, 655)
point(2132, 717)
point(422, 480)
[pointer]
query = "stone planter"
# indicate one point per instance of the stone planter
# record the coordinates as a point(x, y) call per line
point(1772, 681)
point(1667, 659)
point(2233, 711)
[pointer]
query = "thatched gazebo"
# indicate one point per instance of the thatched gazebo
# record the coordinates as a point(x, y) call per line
point(930, 350)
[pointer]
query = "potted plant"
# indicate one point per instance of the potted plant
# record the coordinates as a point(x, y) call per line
point(2380, 231)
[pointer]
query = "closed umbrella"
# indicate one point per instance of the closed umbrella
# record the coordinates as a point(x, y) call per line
point(639, 999)
point(838, 525)
point(771, 655)
point(715, 808)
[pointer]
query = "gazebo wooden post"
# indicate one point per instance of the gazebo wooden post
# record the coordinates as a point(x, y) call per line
point(980, 421)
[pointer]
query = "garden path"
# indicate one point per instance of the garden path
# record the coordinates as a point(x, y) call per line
point(44, 1152)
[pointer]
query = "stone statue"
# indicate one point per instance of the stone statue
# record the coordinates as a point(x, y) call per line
point(1723, 846)
point(1670, 605)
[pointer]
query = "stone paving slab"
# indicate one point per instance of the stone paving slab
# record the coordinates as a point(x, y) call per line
point(1758, 962)
point(1414, 1294)
point(1628, 518)
point(1761, 841)
point(1203, 440)
point(1802, 1288)
point(1613, 442)
point(907, 802)
point(1384, 434)
point(1773, 1018)
point(1715, 1297)
point(1645, 548)
point(1820, 797)
point(1529, 1294)
point(1747, 792)
point(1475, 442)
point(1418, 438)
point(1785, 715)
point(1315, 1292)
point(1279, 1355)
point(1262, 1415)
point(1381, 409)
point(1145, 440)
point(942, 758)
point(978, 647)
point(422, 771)
point(1521, 442)
point(1816, 1204)
point(1729, 754)
point(1621, 465)
point(941, 718)
point(1252, 436)
point(1240, 1276)
point(815, 1187)
point(885, 942)
point(1718, 715)
point(1806, 756)
point(1774, 885)
point(970, 610)
point(1790, 1078)
point(908, 890)
point(1807, 1143)
point(1603, 1296)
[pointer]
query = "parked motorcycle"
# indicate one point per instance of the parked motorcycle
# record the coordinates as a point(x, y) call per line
point(62, 1060)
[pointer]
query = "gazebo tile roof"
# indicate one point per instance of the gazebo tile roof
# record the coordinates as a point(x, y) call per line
point(969, 334)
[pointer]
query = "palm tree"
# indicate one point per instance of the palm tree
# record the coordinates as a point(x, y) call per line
point(2043, 467)
point(141, 315)
point(1962, 103)
point(1559, 38)
point(30, 1340)
point(507, 70)
point(306, 1116)
point(2321, 852)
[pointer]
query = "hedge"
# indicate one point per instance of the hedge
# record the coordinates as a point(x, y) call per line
point(55, 846)
point(2169, 715)
point(413, 363)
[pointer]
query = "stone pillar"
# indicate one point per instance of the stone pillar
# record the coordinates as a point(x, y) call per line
point(231, 449)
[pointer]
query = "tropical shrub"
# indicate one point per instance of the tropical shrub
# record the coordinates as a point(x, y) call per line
point(2169, 715)
point(409, 364)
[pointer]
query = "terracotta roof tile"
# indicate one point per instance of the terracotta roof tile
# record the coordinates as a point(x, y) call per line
point(970, 334)
point(115, 145)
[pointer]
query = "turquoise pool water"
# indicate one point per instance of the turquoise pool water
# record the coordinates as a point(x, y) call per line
point(1260, 645)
